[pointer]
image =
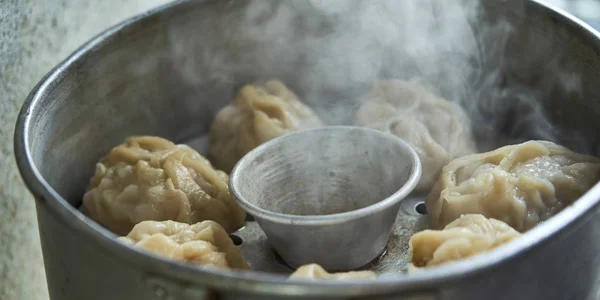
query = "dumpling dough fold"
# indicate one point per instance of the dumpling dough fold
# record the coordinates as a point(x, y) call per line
point(437, 129)
point(315, 271)
point(260, 112)
point(204, 243)
point(150, 178)
point(521, 184)
point(463, 238)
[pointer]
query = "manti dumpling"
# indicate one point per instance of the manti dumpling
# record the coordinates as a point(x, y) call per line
point(150, 178)
point(464, 237)
point(521, 184)
point(204, 243)
point(260, 112)
point(315, 271)
point(437, 129)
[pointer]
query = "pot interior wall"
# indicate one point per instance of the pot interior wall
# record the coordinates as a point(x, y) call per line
point(526, 74)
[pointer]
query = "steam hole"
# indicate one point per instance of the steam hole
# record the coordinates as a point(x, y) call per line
point(236, 239)
point(421, 208)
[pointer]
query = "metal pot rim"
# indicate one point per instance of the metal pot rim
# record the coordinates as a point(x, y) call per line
point(255, 281)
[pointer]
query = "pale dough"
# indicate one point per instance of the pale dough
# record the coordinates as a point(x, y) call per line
point(463, 238)
point(260, 112)
point(521, 185)
point(204, 243)
point(150, 178)
point(437, 129)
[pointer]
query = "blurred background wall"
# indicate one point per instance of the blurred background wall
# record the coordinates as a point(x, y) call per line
point(35, 35)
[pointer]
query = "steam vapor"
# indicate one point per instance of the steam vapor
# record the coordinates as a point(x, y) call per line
point(331, 51)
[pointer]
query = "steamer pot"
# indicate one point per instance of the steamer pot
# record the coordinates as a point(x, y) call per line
point(138, 78)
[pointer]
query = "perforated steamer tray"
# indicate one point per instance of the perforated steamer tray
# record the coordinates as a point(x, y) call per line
point(261, 256)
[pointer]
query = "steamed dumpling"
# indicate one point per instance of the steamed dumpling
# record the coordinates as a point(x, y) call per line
point(437, 129)
point(521, 184)
point(315, 271)
point(150, 178)
point(261, 112)
point(204, 243)
point(464, 237)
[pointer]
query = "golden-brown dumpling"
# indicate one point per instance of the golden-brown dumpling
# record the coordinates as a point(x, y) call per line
point(261, 112)
point(464, 237)
point(315, 271)
point(150, 178)
point(204, 243)
point(521, 184)
point(437, 129)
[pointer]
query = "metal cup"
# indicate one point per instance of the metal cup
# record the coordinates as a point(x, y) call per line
point(328, 196)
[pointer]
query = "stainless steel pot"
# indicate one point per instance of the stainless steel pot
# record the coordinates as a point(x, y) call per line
point(168, 71)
